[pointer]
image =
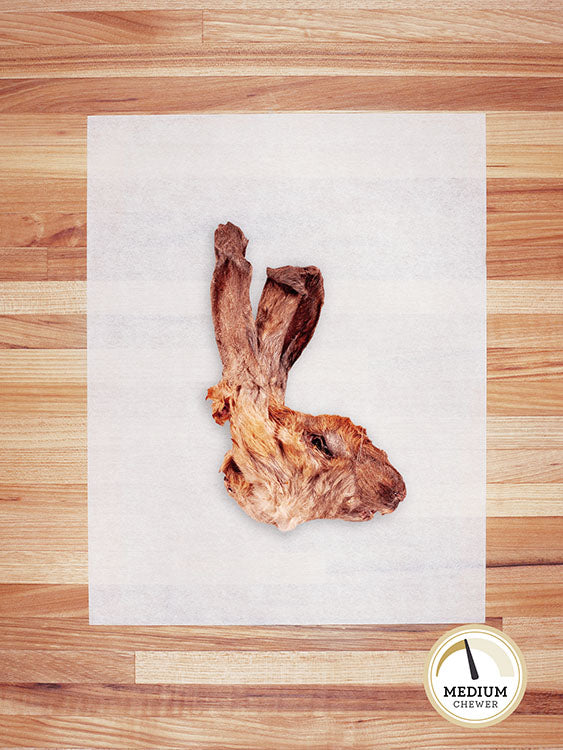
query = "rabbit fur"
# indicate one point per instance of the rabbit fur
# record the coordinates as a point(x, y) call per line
point(285, 467)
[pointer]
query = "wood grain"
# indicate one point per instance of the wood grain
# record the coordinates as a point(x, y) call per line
point(265, 730)
point(535, 632)
point(298, 5)
point(146, 95)
point(321, 667)
point(69, 684)
point(418, 58)
point(146, 27)
point(278, 668)
point(42, 230)
point(427, 24)
point(65, 665)
point(541, 301)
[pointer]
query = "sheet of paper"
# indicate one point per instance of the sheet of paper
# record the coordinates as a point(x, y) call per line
point(391, 208)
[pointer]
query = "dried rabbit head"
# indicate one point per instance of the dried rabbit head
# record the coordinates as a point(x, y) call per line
point(284, 467)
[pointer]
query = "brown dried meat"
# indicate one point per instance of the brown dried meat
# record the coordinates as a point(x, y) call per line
point(285, 467)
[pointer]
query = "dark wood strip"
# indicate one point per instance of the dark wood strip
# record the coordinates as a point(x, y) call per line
point(174, 700)
point(46, 632)
point(42, 229)
point(63, 665)
point(19, 264)
point(506, 194)
point(261, 730)
point(133, 27)
point(148, 95)
point(524, 541)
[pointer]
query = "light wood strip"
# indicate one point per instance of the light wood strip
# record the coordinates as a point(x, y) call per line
point(46, 633)
point(44, 600)
point(119, 5)
point(57, 434)
point(524, 500)
point(275, 668)
point(506, 599)
point(426, 24)
point(136, 27)
point(43, 331)
point(512, 397)
point(525, 161)
point(263, 730)
point(525, 296)
point(525, 574)
point(54, 566)
point(525, 128)
point(531, 331)
point(535, 632)
point(47, 534)
point(524, 364)
point(525, 466)
point(321, 667)
point(25, 230)
point(524, 432)
point(109, 95)
point(402, 58)
point(503, 297)
point(44, 464)
point(34, 498)
point(66, 666)
point(43, 367)
point(37, 298)
point(66, 400)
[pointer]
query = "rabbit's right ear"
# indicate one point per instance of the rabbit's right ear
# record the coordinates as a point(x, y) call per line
point(287, 316)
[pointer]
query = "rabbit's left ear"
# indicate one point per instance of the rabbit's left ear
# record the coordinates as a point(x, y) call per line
point(287, 316)
point(235, 330)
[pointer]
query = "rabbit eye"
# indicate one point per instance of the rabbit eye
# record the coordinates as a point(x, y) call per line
point(319, 443)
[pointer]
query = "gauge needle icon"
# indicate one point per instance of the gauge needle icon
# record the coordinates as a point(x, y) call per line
point(472, 667)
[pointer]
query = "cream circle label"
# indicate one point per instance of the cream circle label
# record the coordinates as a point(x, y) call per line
point(475, 676)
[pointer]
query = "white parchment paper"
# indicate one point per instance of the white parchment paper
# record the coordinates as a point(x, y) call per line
point(391, 207)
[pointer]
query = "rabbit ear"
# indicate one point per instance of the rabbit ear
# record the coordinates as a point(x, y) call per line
point(235, 330)
point(287, 316)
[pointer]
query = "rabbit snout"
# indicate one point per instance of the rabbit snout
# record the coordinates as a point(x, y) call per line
point(381, 487)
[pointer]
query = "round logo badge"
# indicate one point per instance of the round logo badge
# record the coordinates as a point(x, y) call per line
point(475, 676)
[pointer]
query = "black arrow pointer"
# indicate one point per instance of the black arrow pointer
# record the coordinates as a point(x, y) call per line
point(472, 667)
